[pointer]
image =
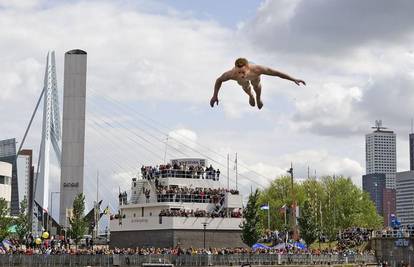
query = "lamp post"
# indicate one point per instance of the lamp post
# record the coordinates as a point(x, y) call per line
point(204, 234)
point(293, 207)
point(376, 195)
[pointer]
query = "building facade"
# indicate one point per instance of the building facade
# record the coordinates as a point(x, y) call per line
point(375, 184)
point(25, 172)
point(5, 181)
point(405, 197)
point(388, 204)
point(381, 155)
point(73, 134)
point(411, 138)
point(8, 154)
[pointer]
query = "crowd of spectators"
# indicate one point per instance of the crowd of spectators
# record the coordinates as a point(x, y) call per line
point(180, 171)
point(353, 237)
point(400, 232)
point(185, 194)
point(273, 237)
point(58, 248)
point(236, 213)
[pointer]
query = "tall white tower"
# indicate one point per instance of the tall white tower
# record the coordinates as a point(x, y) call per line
point(380, 153)
point(73, 138)
point(51, 129)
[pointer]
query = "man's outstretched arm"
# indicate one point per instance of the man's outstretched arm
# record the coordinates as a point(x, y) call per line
point(273, 72)
point(224, 77)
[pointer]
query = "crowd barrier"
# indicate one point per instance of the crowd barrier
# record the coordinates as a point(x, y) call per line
point(183, 260)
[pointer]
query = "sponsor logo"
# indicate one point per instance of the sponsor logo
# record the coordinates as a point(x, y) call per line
point(402, 243)
point(71, 184)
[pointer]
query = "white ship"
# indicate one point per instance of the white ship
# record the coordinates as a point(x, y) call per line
point(183, 204)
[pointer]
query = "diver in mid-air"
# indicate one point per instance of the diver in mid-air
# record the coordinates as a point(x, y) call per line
point(247, 75)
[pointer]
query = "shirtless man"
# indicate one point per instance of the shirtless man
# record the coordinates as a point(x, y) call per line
point(247, 75)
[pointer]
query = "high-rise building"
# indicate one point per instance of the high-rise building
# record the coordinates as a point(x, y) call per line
point(405, 197)
point(380, 153)
point(411, 136)
point(25, 172)
point(73, 134)
point(5, 181)
point(388, 204)
point(8, 154)
point(374, 184)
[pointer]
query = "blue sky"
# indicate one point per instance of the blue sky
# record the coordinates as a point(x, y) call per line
point(160, 59)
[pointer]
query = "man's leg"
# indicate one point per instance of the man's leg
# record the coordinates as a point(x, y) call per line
point(257, 87)
point(248, 89)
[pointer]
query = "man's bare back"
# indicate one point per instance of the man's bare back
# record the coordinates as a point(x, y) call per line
point(248, 75)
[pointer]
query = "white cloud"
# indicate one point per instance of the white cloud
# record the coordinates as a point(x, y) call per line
point(182, 141)
point(149, 56)
point(20, 4)
point(328, 108)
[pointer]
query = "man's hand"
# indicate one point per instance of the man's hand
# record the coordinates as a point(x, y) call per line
point(213, 100)
point(298, 82)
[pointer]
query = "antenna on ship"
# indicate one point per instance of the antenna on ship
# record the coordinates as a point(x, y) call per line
point(228, 172)
point(237, 174)
point(228, 184)
point(165, 153)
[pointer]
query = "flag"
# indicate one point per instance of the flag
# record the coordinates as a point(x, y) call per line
point(106, 210)
point(283, 209)
point(264, 207)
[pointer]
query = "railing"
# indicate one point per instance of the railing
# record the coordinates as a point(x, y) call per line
point(171, 173)
point(394, 233)
point(183, 260)
point(190, 198)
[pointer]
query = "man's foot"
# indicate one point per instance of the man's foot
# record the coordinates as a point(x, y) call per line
point(259, 104)
point(251, 101)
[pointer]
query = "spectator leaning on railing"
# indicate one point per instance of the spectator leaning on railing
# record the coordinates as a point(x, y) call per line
point(180, 171)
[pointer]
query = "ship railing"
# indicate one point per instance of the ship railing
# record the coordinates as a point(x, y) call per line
point(188, 198)
point(171, 173)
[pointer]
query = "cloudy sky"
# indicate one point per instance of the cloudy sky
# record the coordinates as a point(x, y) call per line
point(152, 66)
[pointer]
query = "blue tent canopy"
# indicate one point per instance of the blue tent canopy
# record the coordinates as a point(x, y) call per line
point(299, 245)
point(259, 246)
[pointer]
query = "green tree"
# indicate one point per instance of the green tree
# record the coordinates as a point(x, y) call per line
point(334, 201)
point(308, 224)
point(5, 220)
point(251, 227)
point(22, 220)
point(78, 224)
point(279, 194)
point(366, 214)
point(329, 208)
